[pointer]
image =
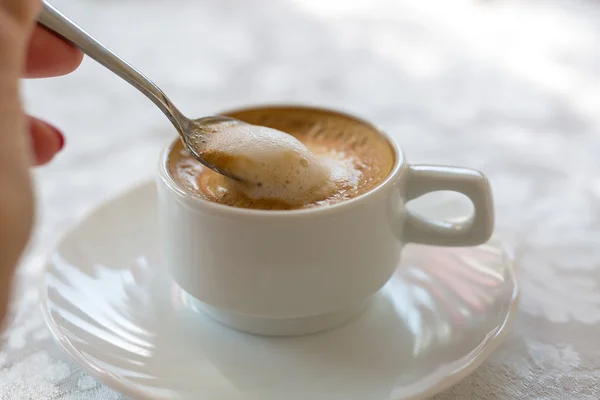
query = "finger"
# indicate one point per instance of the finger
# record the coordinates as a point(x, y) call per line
point(49, 55)
point(46, 141)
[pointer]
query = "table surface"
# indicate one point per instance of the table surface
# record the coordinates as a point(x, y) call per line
point(511, 88)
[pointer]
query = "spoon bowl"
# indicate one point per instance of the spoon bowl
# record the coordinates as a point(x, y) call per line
point(195, 139)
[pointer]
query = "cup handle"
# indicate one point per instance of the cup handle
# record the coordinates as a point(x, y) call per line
point(423, 179)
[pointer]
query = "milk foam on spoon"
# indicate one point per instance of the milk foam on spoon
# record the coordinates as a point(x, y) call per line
point(273, 164)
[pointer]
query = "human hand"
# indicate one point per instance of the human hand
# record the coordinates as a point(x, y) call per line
point(26, 50)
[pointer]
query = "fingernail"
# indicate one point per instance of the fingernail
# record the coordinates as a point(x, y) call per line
point(61, 139)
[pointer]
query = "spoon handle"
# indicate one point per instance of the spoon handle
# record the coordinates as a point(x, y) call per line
point(57, 22)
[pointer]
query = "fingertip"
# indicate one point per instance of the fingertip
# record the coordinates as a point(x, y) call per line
point(46, 141)
point(73, 57)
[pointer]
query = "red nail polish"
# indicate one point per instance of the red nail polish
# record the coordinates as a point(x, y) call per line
point(61, 139)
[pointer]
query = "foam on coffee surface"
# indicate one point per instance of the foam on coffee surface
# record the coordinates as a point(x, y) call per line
point(272, 163)
point(346, 158)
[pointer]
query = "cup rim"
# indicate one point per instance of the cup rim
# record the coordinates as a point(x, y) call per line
point(214, 207)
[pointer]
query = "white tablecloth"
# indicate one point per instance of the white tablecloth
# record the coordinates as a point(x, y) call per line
point(511, 88)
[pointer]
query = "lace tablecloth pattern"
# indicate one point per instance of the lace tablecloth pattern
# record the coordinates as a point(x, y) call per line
point(511, 88)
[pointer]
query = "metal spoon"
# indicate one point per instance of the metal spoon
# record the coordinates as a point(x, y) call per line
point(193, 132)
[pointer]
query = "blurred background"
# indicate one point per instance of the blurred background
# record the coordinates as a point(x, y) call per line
point(508, 87)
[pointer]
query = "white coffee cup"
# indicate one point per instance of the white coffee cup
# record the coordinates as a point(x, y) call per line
point(302, 271)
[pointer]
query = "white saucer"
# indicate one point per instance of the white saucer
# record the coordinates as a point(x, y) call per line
point(114, 309)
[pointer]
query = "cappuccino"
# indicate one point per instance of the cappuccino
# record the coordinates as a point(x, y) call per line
point(327, 158)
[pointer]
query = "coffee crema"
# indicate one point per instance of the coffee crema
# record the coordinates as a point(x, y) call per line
point(357, 157)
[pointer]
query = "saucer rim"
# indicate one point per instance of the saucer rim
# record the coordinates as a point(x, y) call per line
point(476, 357)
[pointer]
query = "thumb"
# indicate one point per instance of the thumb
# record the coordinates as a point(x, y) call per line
point(23, 12)
point(16, 24)
point(16, 193)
